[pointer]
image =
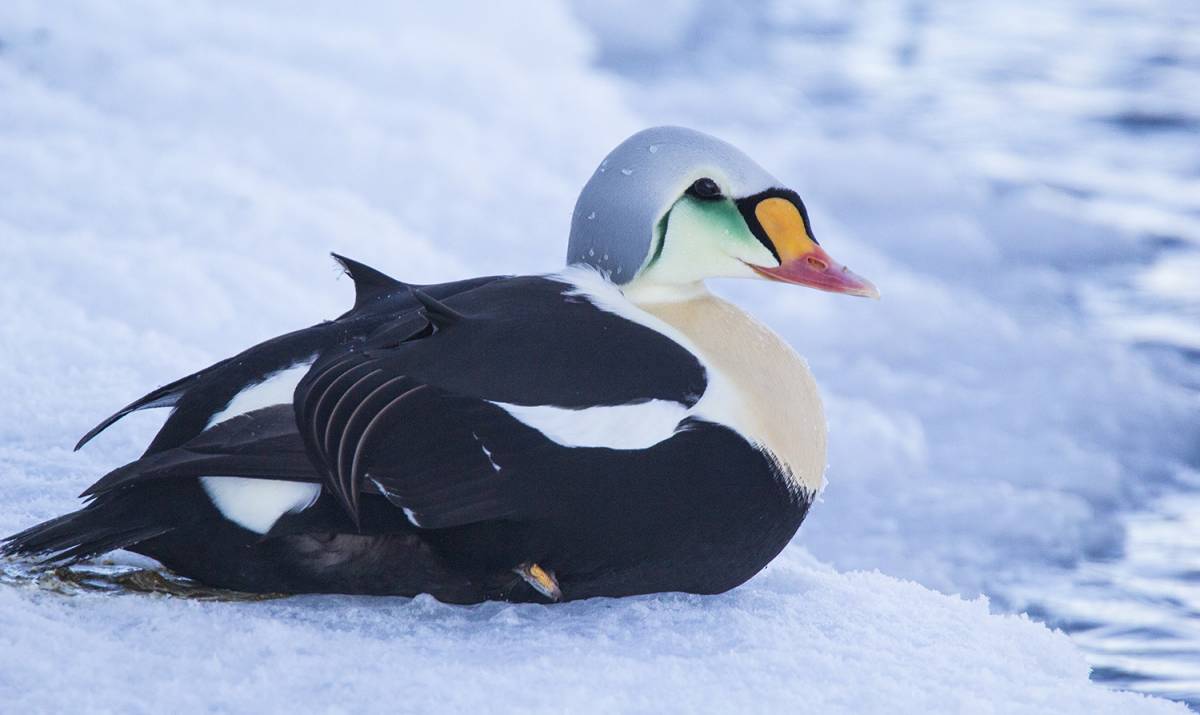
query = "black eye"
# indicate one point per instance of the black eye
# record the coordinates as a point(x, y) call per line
point(705, 188)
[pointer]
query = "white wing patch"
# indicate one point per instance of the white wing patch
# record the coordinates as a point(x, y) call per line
point(256, 504)
point(633, 426)
point(275, 389)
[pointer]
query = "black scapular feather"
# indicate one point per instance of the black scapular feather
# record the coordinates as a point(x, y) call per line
point(440, 314)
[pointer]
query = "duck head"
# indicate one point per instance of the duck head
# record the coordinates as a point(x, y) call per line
point(671, 206)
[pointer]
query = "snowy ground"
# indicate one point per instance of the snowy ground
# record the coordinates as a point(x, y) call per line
point(172, 178)
point(801, 638)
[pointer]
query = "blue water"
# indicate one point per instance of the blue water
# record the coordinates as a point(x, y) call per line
point(1136, 613)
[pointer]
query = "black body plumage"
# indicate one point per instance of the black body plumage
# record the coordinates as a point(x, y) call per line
point(429, 485)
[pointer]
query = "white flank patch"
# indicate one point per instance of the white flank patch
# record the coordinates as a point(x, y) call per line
point(633, 426)
point(275, 389)
point(256, 504)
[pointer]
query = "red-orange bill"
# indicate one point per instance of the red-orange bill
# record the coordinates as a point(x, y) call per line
point(816, 269)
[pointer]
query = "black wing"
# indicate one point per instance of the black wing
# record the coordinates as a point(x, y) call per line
point(261, 444)
point(403, 404)
point(412, 414)
point(531, 341)
point(436, 455)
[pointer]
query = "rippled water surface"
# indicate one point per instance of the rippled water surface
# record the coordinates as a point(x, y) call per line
point(1137, 615)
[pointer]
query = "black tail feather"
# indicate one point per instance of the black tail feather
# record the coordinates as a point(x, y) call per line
point(108, 523)
point(165, 396)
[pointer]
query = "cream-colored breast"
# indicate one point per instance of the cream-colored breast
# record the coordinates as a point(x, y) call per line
point(775, 399)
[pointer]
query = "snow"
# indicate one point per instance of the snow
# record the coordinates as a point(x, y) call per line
point(804, 637)
point(173, 180)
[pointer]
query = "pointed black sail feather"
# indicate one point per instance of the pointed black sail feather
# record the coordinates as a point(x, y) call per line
point(369, 284)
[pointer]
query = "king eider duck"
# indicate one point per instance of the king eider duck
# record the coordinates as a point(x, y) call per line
point(609, 430)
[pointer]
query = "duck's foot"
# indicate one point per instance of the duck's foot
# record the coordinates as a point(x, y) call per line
point(541, 580)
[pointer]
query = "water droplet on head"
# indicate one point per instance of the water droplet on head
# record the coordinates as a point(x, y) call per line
point(627, 172)
point(591, 252)
point(653, 148)
point(592, 216)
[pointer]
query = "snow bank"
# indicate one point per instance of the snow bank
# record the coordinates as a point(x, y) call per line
point(172, 180)
point(801, 638)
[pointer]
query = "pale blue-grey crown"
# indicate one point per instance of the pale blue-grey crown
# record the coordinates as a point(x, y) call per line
point(618, 211)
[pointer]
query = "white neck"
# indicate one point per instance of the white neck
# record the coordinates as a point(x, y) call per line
point(643, 291)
